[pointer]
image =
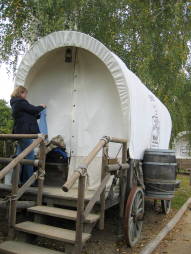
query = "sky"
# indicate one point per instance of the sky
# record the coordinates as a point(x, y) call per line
point(6, 83)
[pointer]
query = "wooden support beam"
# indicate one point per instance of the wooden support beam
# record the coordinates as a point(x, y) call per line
point(13, 201)
point(123, 181)
point(80, 215)
point(41, 172)
point(102, 194)
point(96, 196)
point(123, 190)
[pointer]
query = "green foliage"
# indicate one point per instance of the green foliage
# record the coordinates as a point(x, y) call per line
point(6, 124)
point(150, 36)
point(182, 193)
point(5, 118)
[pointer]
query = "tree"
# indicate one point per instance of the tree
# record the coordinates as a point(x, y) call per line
point(6, 121)
point(150, 36)
point(6, 124)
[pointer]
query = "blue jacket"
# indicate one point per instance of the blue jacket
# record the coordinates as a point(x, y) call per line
point(25, 116)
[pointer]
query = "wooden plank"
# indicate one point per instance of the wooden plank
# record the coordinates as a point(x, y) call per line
point(62, 213)
point(96, 196)
point(16, 247)
point(60, 234)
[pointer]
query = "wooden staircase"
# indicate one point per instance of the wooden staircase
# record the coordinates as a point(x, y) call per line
point(33, 228)
point(25, 235)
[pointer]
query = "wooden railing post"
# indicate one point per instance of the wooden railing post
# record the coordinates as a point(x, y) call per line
point(123, 180)
point(80, 214)
point(122, 185)
point(102, 196)
point(41, 172)
point(13, 200)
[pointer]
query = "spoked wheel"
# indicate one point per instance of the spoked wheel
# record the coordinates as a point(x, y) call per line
point(166, 206)
point(134, 212)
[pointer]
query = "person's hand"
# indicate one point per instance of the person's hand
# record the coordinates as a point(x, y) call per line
point(43, 105)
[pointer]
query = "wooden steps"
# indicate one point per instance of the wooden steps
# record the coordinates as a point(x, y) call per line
point(62, 213)
point(55, 233)
point(15, 247)
point(53, 192)
point(25, 231)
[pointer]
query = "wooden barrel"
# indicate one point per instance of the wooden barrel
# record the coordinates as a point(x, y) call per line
point(159, 170)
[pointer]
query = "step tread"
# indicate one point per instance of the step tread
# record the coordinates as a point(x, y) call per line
point(50, 232)
point(15, 247)
point(62, 213)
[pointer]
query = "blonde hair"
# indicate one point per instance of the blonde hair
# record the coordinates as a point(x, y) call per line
point(18, 91)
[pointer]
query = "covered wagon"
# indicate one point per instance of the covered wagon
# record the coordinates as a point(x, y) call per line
point(91, 95)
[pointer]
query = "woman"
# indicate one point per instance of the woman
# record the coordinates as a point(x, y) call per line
point(25, 118)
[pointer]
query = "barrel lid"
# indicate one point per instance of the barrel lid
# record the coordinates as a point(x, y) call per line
point(159, 151)
point(160, 163)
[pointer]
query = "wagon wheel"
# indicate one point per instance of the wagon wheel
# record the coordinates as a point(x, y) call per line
point(166, 206)
point(133, 219)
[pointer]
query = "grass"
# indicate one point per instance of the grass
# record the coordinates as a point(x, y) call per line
point(182, 193)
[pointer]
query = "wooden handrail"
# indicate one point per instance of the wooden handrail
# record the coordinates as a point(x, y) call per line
point(118, 140)
point(80, 174)
point(20, 157)
point(35, 163)
point(70, 182)
point(102, 142)
point(14, 164)
point(20, 136)
point(29, 182)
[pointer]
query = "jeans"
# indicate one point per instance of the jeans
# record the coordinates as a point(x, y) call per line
point(26, 170)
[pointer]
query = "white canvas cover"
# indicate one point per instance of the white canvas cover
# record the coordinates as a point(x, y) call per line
point(181, 145)
point(92, 96)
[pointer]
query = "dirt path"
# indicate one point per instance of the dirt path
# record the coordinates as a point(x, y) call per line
point(179, 240)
